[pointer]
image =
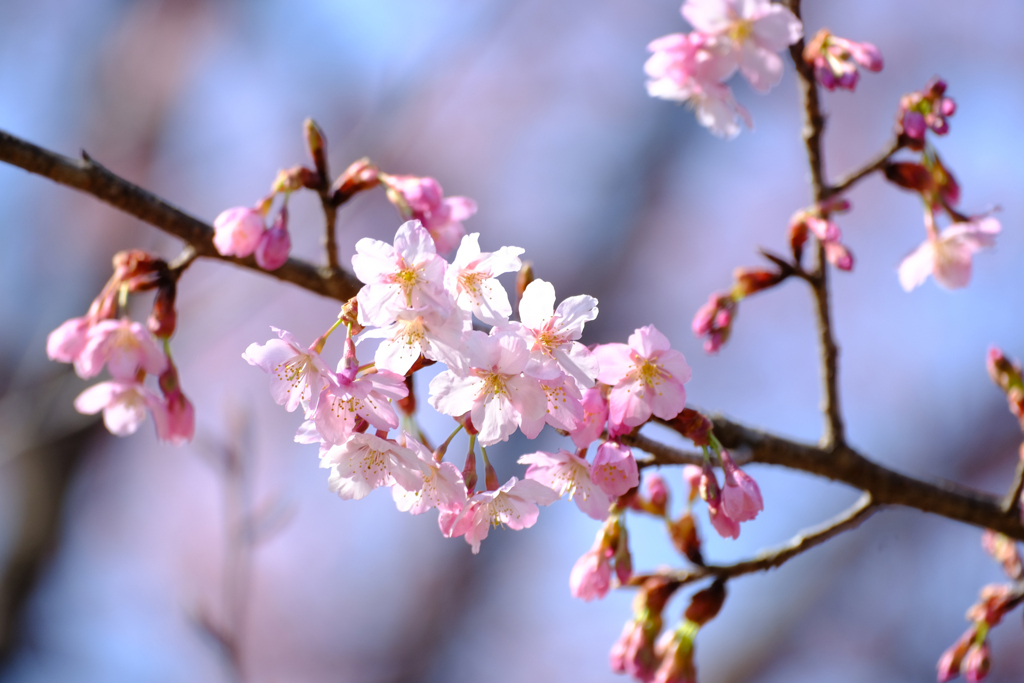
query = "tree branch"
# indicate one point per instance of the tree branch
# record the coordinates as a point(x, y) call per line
point(770, 559)
point(886, 486)
point(1012, 499)
point(854, 177)
point(814, 125)
point(92, 178)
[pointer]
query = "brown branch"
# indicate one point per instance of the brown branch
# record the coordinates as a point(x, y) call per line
point(92, 178)
point(770, 559)
point(667, 455)
point(886, 486)
point(1012, 499)
point(814, 125)
point(867, 169)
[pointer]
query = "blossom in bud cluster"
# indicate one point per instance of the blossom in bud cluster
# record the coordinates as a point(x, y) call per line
point(1007, 376)
point(591, 576)
point(947, 255)
point(976, 662)
point(923, 110)
point(741, 497)
point(237, 231)
point(407, 275)
point(567, 473)
point(423, 200)
point(675, 652)
point(827, 232)
point(726, 526)
point(1004, 550)
point(275, 244)
point(714, 321)
point(952, 659)
point(657, 493)
point(124, 404)
point(297, 375)
point(756, 31)
point(181, 417)
point(835, 59)
point(646, 377)
point(615, 470)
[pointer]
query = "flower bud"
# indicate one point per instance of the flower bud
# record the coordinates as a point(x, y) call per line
point(657, 490)
point(316, 142)
point(469, 472)
point(714, 321)
point(274, 245)
point(163, 318)
point(180, 425)
point(976, 662)
point(523, 279)
point(752, 280)
point(675, 650)
point(359, 176)
point(622, 558)
point(407, 404)
point(1004, 550)
point(349, 315)
point(706, 604)
point(1008, 377)
point(952, 658)
point(294, 179)
point(910, 176)
point(237, 231)
point(683, 534)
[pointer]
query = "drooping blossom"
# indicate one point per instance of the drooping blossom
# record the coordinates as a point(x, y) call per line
point(435, 336)
point(124, 404)
point(551, 333)
point(564, 410)
point(726, 526)
point(615, 470)
point(756, 29)
point(275, 244)
point(741, 497)
point(633, 652)
point(595, 416)
point(66, 343)
point(947, 255)
point(835, 59)
point(180, 425)
point(364, 462)
point(472, 279)
point(237, 231)
point(690, 68)
point(297, 375)
point(976, 662)
point(124, 346)
point(441, 485)
point(646, 377)
point(591, 576)
point(675, 652)
point(514, 504)
point(493, 389)
point(407, 275)
point(423, 200)
point(567, 473)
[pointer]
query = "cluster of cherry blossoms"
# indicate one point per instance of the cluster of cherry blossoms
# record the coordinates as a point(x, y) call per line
point(519, 375)
point(106, 337)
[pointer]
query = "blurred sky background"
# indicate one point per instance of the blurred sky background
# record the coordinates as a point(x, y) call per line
point(537, 110)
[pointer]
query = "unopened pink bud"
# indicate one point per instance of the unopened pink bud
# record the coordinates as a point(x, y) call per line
point(914, 125)
point(657, 489)
point(237, 231)
point(976, 662)
point(272, 250)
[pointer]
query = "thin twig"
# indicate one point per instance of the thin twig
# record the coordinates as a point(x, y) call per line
point(667, 455)
point(1012, 499)
point(854, 177)
point(770, 559)
point(92, 178)
point(814, 125)
point(182, 261)
point(330, 229)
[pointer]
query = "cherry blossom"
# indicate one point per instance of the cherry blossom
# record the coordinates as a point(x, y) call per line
point(595, 415)
point(435, 336)
point(180, 425)
point(741, 497)
point(493, 389)
point(726, 526)
point(297, 375)
point(66, 343)
point(408, 275)
point(125, 347)
point(633, 652)
point(714, 321)
point(274, 245)
point(124, 404)
point(922, 110)
point(646, 377)
point(441, 485)
point(565, 472)
point(756, 30)
point(423, 200)
point(514, 505)
point(835, 59)
point(551, 333)
point(564, 410)
point(472, 279)
point(343, 403)
point(947, 256)
point(237, 231)
point(614, 469)
point(591, 576)
point(365, 462)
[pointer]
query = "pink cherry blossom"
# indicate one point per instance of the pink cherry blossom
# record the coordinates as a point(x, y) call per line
point(756, 29)
point(564, 410)
point(66, 343)
point(125, 347)
point(551, 333)
point(422, 199)
point(435, 336)
point(633, 652)
point(835, 59)
point(646, 377)
point(441, 485)
point(124, 404)
point(595, 416)
point(514, 505)
point(567, 473)
point(472, 279)
point(345, 402)
point(365, 462)
point(591, 576)
point(180, 425)
point(928, 108)
point(614, 470)
point(408, 275)
point(726, 526)
point(297, 375)
point(714, 321)
point(493, 389)
point(275, 244)
point(831, 237)
point(947, 256)
point(741, 497)
point(237, 231)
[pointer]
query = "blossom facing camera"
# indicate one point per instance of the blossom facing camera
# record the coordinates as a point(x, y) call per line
point(947, 256)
